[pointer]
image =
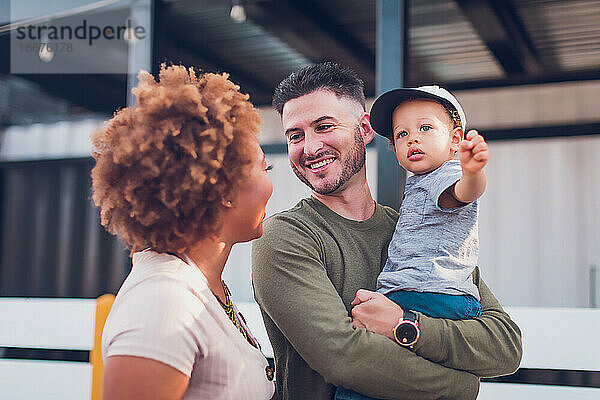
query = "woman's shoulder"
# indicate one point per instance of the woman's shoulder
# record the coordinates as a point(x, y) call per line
point(152, 267)
point(163, 285)
point(150, 259)
point(162, 312)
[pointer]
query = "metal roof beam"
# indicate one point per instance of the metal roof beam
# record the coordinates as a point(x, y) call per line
point(291, 20)
point(174, 47)
point(585, 129)
point(522, 79)
point(177, 51)
point(269, 17)
point(502, 30)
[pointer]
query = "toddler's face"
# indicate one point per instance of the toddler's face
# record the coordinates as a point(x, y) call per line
point(424, 137)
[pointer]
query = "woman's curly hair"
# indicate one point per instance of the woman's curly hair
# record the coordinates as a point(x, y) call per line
point(165, 165)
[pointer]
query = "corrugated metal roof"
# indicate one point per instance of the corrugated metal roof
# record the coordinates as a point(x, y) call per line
point(565, 33)
point(245, 48)
point(444, 47)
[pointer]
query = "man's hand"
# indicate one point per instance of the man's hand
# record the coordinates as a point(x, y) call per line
point(376, 313)
point(473, 153)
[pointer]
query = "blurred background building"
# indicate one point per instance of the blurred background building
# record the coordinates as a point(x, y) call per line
point(527, 73)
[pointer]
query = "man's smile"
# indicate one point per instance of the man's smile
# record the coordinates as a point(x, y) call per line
point(319, 164)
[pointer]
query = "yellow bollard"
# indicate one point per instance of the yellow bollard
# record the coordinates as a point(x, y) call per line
point(103, 305)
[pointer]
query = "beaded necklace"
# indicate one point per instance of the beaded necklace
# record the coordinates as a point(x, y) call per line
point(233, 316)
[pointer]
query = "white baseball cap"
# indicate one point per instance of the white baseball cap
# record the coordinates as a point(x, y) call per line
point(384, 105)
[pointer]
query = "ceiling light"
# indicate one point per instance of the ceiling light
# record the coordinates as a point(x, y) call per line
point(46, 52)
point(237, 13)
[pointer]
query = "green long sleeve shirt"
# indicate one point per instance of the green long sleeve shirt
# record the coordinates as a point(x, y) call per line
point(307, 267)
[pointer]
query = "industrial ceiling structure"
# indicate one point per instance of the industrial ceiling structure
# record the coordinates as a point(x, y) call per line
point(460, 44)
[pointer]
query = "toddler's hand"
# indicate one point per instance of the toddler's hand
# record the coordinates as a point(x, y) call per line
point(473, 152)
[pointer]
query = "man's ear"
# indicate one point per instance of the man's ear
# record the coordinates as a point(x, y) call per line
point(456, 137)
point(366, 128)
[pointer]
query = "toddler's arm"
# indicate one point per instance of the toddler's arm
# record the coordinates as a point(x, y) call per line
point(473, 154)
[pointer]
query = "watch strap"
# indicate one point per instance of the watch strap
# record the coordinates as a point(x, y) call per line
point(410, 316)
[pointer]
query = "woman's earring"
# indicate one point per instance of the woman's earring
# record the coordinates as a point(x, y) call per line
point(226, 203)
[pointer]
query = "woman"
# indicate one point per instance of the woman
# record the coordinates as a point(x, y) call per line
point(180, 178)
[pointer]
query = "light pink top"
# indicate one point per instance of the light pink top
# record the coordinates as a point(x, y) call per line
point(165, 311)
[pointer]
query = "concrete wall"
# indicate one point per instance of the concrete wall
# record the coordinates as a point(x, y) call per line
point(540, 221)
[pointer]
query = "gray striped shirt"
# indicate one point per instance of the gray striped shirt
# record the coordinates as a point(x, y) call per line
point(433, 249)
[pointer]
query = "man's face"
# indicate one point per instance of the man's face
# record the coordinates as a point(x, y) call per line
point(326, 140)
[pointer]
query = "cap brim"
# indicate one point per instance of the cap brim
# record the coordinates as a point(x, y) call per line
point(384, 106)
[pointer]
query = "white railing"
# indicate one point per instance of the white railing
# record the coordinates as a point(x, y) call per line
point(52, 324)
point(564, 339)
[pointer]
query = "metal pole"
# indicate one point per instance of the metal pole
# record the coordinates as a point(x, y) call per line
point(140, 51)
point(391, 57)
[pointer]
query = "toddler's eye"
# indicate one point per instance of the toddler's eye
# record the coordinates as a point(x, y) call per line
point(402, 134)
point(426, 128)
point(269, 167)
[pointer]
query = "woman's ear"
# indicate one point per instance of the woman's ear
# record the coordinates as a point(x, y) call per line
point(456, 137)
point(226, 203)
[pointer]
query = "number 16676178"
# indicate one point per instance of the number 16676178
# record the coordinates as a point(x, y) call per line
point(35, 47)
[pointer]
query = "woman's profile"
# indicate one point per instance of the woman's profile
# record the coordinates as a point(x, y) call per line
point(180, 178)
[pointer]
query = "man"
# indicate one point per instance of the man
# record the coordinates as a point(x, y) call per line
point(313, 258)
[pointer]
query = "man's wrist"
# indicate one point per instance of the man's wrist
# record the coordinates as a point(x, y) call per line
point(394, 322)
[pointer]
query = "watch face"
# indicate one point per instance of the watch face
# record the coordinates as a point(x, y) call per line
point(406, 333)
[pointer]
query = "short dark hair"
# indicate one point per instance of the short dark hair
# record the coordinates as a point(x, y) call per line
point(331, 76)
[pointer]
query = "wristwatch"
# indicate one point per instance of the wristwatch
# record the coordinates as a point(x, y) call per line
point(407, 331)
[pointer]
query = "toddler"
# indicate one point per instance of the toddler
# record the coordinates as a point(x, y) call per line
point(435, 246)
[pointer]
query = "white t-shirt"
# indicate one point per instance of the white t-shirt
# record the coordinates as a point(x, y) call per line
point(166, 312)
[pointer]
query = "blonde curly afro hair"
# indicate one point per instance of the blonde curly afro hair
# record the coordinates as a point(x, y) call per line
point(165, 165)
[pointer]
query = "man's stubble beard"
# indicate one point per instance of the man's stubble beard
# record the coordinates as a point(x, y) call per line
point(352, 165)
